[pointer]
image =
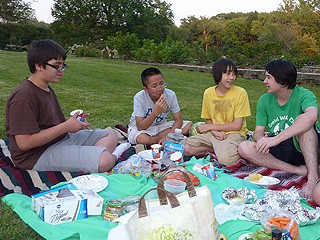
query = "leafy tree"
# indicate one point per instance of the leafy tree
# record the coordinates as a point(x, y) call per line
point(93, 20)
point(179, 34)
point(229, 16)
point(18, 26)
point(305, 46)
point(235, 34)
point(207, 28)
point(206, 31)
point(124, 43)
point(305, 14)
point(14, 11)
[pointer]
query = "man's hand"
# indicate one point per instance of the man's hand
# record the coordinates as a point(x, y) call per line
point(219, 135)
point(85, 119)
point(203, 128)
point(264, 143)
point(162, 141)
point(161, 105)
point(74, 125)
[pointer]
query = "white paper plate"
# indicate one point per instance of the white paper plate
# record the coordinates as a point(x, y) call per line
point(95, 183)
point(265, 181)
point(243, 236)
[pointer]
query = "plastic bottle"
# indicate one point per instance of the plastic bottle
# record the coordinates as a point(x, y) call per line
point(175, 142)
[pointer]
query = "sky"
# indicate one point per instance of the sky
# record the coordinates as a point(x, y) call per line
point(184, 8)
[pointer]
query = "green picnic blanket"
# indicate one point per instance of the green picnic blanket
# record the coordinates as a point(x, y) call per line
point(121, 185)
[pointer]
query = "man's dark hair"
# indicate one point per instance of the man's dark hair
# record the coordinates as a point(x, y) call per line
point(42, 51)
point(283, 71)
point(221, 66)
point(148, 73)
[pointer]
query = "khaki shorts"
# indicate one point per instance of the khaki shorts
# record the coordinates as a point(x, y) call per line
point(133, 131)
point(226, 150)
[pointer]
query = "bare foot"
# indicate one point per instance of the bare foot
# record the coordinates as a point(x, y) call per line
point(301, 170)
point(307, 190)
point(316, 192)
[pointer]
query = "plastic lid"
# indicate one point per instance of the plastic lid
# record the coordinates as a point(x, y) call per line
point(115, 203)
point(178, 130)
point(277, 233)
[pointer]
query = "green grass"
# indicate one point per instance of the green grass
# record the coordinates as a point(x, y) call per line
point(12, 227)
point(105, 88)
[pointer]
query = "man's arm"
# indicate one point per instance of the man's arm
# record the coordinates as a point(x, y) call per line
point(302, 123)
point(258, 133)
point(227, 127)
point(177, 121)
point(159, 107)
point(29, 141)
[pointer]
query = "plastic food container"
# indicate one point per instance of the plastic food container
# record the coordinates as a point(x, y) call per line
point(174, 186)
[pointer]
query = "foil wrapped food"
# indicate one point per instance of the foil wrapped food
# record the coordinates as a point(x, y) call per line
point(239, 196)
point(286, 200)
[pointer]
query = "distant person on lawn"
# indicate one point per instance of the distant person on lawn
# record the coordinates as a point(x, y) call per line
point(40, 136)
point(151, 108)
point(291, 115)
point(225, 108)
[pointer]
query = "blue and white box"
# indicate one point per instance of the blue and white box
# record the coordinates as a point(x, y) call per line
point(60, 204)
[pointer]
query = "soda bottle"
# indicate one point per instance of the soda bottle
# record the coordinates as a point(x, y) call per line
point(175, 142)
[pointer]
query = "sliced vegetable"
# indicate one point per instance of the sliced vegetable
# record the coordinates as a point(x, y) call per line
point(260, 234)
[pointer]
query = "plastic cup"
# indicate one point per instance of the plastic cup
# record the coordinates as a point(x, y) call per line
point(80, 116)
point(174, 186)
point(176, 157)
point(152, 195)
point(156, 151)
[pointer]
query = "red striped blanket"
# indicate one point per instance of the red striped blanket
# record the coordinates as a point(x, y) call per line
point(30, 182)
point(242, 169)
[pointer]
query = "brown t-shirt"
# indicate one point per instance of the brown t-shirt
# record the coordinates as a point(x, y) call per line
point(31, 109)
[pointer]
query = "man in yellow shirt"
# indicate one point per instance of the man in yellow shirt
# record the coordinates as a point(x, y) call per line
point(224, 107)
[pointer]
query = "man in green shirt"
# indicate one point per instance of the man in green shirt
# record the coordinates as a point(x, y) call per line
point(291, 115)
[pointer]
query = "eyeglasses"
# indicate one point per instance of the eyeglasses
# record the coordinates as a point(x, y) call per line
point(160, 86)
point(58, 68)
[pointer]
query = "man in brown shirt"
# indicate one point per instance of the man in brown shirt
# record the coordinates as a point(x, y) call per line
point(40, 137)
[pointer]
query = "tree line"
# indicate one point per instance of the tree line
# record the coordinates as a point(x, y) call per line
point(144, 30)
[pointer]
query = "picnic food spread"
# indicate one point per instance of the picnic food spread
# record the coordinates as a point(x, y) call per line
point(253, 208)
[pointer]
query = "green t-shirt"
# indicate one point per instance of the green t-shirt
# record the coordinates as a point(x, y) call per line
point(278, 118)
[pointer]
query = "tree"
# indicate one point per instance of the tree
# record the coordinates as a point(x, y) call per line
point(92, 20)
point(235, 34)
point(206, 31)
point(207, 28)
point(14, 11)
point(18, 26)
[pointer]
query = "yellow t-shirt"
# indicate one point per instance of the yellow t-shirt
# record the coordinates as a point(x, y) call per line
point(224, 109)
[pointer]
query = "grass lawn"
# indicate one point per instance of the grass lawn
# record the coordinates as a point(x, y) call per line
point(105, 88)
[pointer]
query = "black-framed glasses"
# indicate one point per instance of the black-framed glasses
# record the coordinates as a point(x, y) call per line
point(58, 68)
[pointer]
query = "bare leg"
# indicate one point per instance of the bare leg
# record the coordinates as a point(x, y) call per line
point(247, 150)
point(107, 161)
point(109, 142)
point(186, 129)
point(144, 138)
point(308, 142)
point(196, 151)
